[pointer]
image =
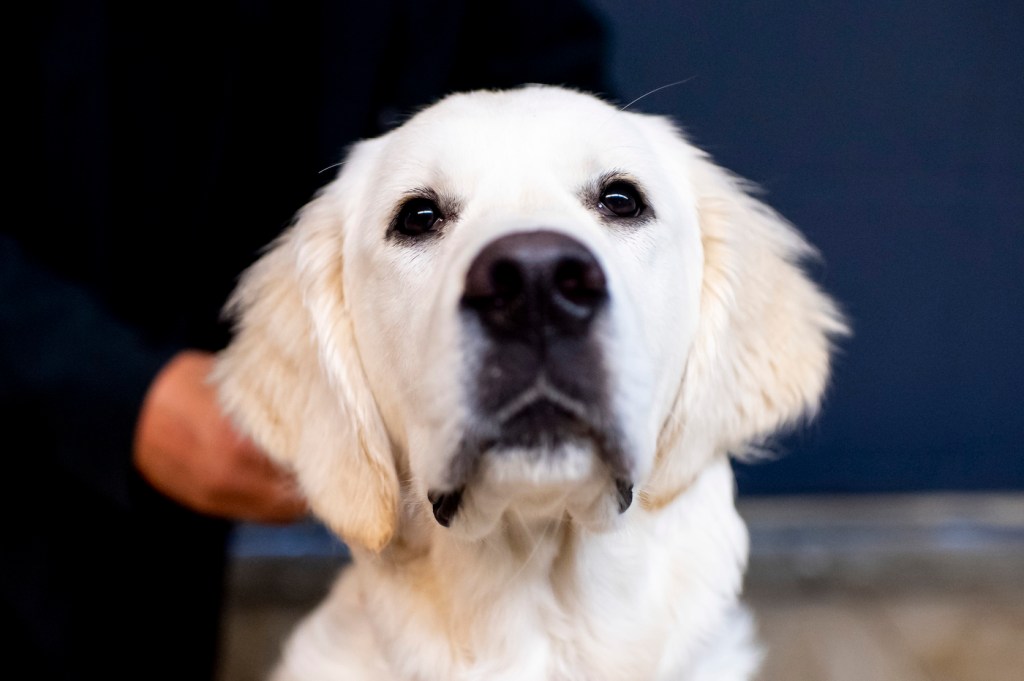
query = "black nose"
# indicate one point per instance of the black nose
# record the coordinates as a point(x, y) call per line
point(531, 283)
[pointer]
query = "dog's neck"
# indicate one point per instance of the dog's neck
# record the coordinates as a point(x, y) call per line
point(553, 587)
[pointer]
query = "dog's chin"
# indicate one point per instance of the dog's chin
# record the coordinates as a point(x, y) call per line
point(535, 481)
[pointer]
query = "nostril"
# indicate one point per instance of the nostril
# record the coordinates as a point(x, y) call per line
point(495, 289)
point(580, 282)
point(506, 281)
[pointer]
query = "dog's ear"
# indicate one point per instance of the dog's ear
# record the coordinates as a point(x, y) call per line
point(761, 355)
point(293, 381)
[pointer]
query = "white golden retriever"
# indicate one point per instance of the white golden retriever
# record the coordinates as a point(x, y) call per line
point(507, 353)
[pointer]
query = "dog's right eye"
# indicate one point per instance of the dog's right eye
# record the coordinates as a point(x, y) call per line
point(417, 217)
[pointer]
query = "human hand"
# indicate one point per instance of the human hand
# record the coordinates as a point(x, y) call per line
point(187, 449)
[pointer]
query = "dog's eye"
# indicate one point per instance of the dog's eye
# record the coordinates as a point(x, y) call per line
point(621, 199)
point(417, 217)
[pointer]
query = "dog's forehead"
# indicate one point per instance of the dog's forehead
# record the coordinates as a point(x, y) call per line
point(538, 132)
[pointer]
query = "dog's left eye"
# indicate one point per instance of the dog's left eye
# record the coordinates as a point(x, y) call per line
point(417, 217)
point(621, 199)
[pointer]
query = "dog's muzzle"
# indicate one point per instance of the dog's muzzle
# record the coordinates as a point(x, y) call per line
point(532, 299)
point(535, 297)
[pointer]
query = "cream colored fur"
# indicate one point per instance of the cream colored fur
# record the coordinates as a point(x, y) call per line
point(350, 365)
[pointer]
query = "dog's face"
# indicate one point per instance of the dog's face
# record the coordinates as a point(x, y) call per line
point(522, 302)
point(526, 302)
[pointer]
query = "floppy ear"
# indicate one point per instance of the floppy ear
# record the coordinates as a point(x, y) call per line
point(760, 359)
point(293, 381)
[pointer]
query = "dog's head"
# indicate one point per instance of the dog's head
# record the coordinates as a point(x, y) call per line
point(524, 301)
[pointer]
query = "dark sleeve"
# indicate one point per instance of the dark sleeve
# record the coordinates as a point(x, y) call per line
point(506, 44)
point(72, 376)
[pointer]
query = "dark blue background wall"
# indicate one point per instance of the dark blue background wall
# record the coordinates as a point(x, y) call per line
point(892, 134)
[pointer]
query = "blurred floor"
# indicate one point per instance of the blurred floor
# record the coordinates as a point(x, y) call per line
point(908, 588)
point(896, 588)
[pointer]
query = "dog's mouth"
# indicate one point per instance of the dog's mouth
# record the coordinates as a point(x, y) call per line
point(542, 438)
point(542, 423)
point(540, 418)
point(539, 443)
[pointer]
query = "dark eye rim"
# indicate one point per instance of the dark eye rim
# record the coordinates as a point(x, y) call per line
point(398, 228)
point(625, 187)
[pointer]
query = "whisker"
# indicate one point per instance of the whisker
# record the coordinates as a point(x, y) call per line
point(657, 89)
point(333, 165)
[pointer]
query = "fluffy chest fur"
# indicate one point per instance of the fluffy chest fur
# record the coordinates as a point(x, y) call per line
point(657, 600)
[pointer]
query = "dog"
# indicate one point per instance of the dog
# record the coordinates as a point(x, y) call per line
point(508, 353)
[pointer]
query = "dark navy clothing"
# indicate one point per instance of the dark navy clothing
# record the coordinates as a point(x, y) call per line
point(157, 148)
